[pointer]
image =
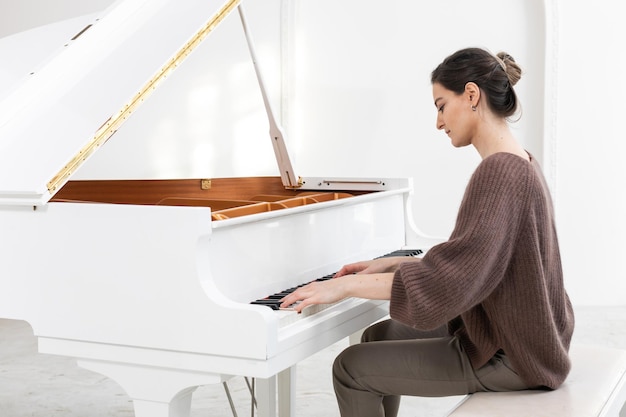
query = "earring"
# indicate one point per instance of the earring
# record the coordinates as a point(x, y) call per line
point(473, 108)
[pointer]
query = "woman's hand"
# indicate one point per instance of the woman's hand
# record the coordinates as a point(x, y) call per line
point(317, 292)
point(369, 286)
point(374, 266)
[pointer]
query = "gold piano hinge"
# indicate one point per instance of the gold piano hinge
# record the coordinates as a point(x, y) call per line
point(114, 122)
point(205, 184)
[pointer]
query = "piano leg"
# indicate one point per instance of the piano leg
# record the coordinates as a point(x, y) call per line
point(355, 338)
point(156, 392)
point(283, 384)
point(287, 392)
point(265, 392)
point(179, 406)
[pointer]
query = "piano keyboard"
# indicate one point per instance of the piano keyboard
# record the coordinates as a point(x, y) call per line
point(273, 301)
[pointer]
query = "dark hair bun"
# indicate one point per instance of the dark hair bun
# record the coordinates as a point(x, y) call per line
point(513, 71)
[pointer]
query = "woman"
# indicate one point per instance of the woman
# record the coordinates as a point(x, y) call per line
point(485, 310)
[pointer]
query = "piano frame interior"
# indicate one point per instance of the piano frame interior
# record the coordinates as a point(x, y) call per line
point(227, 197)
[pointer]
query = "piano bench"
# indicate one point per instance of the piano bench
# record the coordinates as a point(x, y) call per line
point(596, 386)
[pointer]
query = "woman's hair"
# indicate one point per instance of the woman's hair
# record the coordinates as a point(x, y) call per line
point(495, 75)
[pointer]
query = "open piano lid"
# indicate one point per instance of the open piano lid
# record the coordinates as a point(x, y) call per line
point(62, 113)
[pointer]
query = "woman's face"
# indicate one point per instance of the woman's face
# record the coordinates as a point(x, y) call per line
point(453, 115)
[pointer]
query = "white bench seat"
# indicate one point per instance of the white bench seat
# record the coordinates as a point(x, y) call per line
point(596, 387)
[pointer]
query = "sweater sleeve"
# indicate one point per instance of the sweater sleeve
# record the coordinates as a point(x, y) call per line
point(460, 273)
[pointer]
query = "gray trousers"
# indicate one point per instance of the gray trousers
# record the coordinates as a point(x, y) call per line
point(395, 360)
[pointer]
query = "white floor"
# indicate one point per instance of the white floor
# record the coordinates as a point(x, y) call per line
point(36, 385)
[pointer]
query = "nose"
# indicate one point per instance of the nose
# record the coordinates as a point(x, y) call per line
point(440, 124)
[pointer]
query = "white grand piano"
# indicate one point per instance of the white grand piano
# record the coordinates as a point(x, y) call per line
point(150, 282)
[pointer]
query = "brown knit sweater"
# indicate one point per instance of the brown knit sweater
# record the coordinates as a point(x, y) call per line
point(497, 282)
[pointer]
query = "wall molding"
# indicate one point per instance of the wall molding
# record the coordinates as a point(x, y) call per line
point(551, 57)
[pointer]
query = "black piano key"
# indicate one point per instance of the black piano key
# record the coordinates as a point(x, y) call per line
point(325, 278)
point(273, 304)
point(403, 252)
point(277, 295)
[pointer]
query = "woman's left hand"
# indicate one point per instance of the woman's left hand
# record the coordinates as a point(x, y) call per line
point(318, 292)
point(369, 286)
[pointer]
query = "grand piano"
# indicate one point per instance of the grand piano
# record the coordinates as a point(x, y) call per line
point(151, 282)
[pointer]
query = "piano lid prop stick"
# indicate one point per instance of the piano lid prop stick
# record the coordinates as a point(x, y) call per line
point(276, 133)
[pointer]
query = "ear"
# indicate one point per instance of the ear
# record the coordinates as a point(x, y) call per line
point(472, 93)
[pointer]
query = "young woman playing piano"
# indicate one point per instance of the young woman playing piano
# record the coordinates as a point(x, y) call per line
point(485, 310)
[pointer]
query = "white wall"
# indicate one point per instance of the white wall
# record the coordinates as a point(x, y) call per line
point(356, 101)
point(591, 146)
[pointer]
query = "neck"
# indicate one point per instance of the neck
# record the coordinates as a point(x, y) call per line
point(497, 137)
